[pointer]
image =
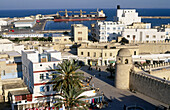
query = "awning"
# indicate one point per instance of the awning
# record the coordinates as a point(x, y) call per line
point(111, 61)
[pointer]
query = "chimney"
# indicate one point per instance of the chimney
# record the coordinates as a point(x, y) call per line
point(118, 6)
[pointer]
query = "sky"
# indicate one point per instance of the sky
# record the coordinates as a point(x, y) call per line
point(80, 4)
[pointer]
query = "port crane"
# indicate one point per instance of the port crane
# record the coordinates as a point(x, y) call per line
point(81, 12)
point(66, 12)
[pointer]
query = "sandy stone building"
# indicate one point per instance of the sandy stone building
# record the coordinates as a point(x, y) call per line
point(79, 32)
point(102, 53)
point(123, 66)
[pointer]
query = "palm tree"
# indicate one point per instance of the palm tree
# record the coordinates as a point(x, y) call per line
point(72, 99)
point(67, 76)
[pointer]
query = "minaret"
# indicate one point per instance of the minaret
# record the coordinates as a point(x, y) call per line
point(123, 66)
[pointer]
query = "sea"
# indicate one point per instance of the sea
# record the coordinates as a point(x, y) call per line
point(110, 13)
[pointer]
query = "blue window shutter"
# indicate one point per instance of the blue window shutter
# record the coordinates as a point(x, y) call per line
point(42, 89)
point(47, 76)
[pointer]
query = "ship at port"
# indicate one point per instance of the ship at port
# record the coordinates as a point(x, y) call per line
point(99, 15)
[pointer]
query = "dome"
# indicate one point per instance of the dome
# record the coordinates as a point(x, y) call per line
point(124, 52)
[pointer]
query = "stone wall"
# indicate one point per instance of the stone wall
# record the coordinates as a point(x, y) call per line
point(151, 86)
point(154, 48)
point(164, 74)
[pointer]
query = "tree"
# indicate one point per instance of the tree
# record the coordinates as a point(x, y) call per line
point(69, 82)
point(110, 69)
point(49, 38)
point(72, 99)
point(67, 75)
point(27, 39)
point(35, 38)
point(16, 39)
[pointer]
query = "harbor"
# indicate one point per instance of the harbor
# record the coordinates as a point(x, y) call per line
point(155, 17)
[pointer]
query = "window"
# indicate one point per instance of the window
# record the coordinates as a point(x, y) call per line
point(128, 36)
point(134, 52)
point(147, 36)
point(41, 76)
point(88, 54)
point(105, 54)
point(126, 61)
point(108, 28)
point(114, 28)
point(48, 88)
point(100, 54)
point(94, 54)
point(110, 54)
point(81, 53)
point(40, 64)
point(134, 37)
point(47, 76)
point(42, 89)
point(118, 28)
point(79, 32)
point(79, 38)
point(65, 39)
point(4, 72)
point(162, 36)
point(154, 36)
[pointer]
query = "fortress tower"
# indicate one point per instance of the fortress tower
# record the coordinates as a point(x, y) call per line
point(123, 66)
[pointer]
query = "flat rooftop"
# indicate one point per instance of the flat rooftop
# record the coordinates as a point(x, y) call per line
point(30, 51)
point(14, 85)
point(20, 21)
point(20, 92)
point(13, 53)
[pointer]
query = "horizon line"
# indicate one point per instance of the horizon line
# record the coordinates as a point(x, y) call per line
point(76, 8)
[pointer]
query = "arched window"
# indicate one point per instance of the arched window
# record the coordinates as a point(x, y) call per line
point(126, 61)
point(119, 60)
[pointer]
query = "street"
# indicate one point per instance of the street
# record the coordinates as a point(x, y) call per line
point(118, 98)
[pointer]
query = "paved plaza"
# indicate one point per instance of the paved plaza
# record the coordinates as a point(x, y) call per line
point(118, 98)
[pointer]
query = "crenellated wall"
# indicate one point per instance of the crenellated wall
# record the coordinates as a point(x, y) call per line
point(151, 86)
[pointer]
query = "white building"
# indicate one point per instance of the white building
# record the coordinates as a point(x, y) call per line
point(7, 45)
point(22, 35)
point(127, 16)
point(24, 23)
point(151, 58)
point(144, 35)
point(105, 31)
point(5, 21)
point(108, 30)
point(36, 75)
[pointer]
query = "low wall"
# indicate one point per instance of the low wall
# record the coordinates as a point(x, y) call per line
point(151, 86)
